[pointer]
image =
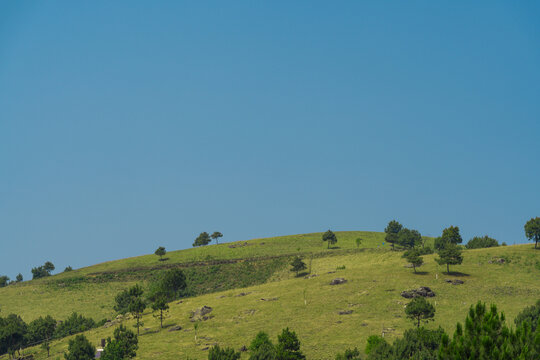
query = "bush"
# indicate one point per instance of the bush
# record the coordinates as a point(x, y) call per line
point(80, 349)
point(123, 346)
point(74, 324)
point(349, 355)
point(216, 353)
point(481, 242)
point(530, 314)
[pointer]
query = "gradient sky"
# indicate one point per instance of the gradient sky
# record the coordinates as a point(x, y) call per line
point(125, 126)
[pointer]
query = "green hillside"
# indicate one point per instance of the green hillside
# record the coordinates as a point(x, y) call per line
point(233, 280)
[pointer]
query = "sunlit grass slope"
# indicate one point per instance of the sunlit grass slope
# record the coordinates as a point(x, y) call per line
point(90, 291)
point(310, 306)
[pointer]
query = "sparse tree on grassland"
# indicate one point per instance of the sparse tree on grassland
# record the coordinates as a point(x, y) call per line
point(123, 346)
point(329, 237)
point(160, 305)
point(392, 230)
point(358, 242)
point(202, 240)
point(532, 230)
point(19, 277)
point(449, 255)
point(298, 265)
point(413, 257)
point(419, 309)
point(136, 308)
point(160, 251)
point(216, 235)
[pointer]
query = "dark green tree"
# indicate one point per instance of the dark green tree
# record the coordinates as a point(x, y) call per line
point(419, 343)
point(349, 355)
point(202, 240)
point(80, 349)
point(288, 346)
point(330, 238)
point(532, 230)
point(486, 336)
point(358, 242)
point(160, 305)
point(392, 230)
point(449, 255)
point(478, 242)
point(19, 277)
point(261, 348)
point(413, 257)
point(530, 314)
point(126, 297)
point(42, 271)
point(68, 268)
point(136, 308)
point(409, 238)
point(378, 349)
point(419, 309)
point(123, 346)
point(13, 331)
point(298, 265)
point(171, 285)
point(216, 235)
point(42, 330)
point(160, 251)
point(74, 324)
point(217, 353)
point(4, 281)
point(450, 235)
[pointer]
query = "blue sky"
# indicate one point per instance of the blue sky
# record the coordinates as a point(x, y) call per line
point(130, 125)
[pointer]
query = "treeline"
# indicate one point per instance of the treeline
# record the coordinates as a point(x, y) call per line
point(15, 334)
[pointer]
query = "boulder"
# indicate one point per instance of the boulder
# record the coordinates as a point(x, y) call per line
point(345, 312)
point(454, 281)
point(338, 281)
point(421, 291)
point(175, 328)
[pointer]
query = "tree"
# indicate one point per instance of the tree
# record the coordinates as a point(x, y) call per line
point(74, 324)
point(266, 351)
point(68, 268)
point(409, 238)
point(13, 332)
point(449, 255)
point(202, 240)
point(160, 252)
point(288, 347)
point(392, 230)
point(450, 235)
point(42, 330)
point(42, 271)
point(530, 314)
point(19, 277)
point(160, 305)
point(419, 343)
point(413, 257)
point(485, 336)
point(298, 265)
point(260, 339)
point(532, 230)
point(80, 349)
point(123, 346)
point(329, 237)
point(217, 353)
point(419, 309)
point(349, 355)
point(478, 242)
point(358, 242)
point(170, 285)
point(4, 281)
point(216, 235)
point(126, 297)
point(136, 308)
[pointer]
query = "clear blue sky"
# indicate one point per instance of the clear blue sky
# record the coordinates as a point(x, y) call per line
point(125, 126)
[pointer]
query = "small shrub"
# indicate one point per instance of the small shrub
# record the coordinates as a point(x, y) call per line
point(342, 267)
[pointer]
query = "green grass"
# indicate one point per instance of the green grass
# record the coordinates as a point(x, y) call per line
point(376, 276)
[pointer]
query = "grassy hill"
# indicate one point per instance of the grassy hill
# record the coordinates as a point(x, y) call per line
point(234, 277)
